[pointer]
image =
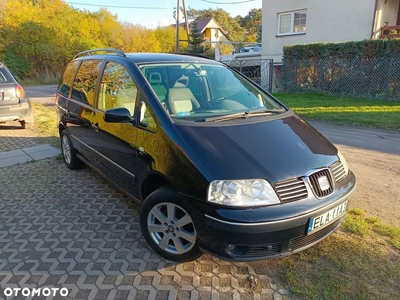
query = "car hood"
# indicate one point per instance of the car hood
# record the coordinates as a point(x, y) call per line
point(275, 150)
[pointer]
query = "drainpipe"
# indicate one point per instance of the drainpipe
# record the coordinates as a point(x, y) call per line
point(374, 18)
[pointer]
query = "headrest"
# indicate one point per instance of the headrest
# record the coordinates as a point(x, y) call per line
point(155, 77)
point(182, 82)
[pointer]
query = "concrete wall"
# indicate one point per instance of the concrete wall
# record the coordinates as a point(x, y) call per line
point(327, 21)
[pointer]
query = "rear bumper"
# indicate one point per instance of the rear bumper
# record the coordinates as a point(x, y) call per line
point(16, 112)
point(247, 241)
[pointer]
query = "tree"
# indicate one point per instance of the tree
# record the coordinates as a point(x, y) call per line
point(251, 23)
point(196, 39)
point(259, 34)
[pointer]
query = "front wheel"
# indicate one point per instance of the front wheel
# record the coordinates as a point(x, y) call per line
point(168, 227)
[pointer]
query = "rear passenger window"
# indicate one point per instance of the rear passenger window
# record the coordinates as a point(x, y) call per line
point(117, 88)
point(65, 84)
point(85, 81)
point(2, 77)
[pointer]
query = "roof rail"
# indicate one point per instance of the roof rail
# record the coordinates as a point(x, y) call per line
point(194, 54)
point(2, 65)
point(94, 51)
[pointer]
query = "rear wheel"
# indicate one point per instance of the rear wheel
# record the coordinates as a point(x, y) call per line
point(69, 153)
point(25, 125)
point(168, 227)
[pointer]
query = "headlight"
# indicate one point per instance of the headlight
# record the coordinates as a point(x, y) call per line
point(254, 192)
point(344, 162)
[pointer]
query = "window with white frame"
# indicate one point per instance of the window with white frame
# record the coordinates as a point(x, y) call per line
point(292, 22)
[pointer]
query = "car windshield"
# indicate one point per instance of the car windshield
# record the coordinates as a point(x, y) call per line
point(202, 92)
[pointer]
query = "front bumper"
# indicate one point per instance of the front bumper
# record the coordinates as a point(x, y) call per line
point(245, 241)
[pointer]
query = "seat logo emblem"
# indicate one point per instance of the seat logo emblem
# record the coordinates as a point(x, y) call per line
point(324, 183)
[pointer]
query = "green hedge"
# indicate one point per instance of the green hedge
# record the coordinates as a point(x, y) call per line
point(361, 49)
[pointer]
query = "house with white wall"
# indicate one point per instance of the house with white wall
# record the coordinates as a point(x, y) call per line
point(292, 22)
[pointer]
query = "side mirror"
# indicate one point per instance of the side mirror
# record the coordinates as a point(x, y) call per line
point(118, 115)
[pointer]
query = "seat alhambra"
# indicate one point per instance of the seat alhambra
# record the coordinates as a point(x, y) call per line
point(217, 164)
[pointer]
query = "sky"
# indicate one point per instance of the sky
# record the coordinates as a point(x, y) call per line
point(153, 13)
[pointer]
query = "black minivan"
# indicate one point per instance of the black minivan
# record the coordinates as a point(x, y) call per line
point(218, 164)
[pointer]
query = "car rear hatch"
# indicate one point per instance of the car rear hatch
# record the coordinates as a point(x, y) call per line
point(10, 92)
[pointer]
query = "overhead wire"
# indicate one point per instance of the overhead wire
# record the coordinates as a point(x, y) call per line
point(115, 6)
point(237, 2)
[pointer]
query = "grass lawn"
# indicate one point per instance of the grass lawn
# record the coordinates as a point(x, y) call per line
point(360, 261)
point(346, 111)
point(46, 124)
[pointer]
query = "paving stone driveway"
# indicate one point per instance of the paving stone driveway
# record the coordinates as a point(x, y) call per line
point(70, 229)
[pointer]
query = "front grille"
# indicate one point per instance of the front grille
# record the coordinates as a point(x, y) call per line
point(291, 190)
point(338, 171)
point(316, 184)
point(257, 250)
point(306, 240)
point(263, 250)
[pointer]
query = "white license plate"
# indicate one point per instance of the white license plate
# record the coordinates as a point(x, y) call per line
point(326, 218)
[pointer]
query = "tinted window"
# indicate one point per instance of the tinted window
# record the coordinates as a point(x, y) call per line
point(5, 76)
point(146, 119)
point(65, 84)
point(85, 81)
point(117, 88)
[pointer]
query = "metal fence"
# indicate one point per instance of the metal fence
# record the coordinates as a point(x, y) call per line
point(258, 70)
point(377, 78)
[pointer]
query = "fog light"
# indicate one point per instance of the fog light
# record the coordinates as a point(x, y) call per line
point(230, 248)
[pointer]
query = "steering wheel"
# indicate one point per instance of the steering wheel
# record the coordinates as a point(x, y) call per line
point(213, 101)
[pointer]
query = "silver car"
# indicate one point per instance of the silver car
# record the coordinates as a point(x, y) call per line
point(14, 103)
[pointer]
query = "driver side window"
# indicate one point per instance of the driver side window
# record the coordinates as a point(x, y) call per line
point(117, 88)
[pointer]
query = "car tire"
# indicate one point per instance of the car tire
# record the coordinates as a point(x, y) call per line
point(69, 153)
point(25, 125)
point(168, 227)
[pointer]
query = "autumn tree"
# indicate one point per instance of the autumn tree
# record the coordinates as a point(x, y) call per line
point(250, 23)
point(259, 34)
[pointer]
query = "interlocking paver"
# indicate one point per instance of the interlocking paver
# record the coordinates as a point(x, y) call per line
point(12, 136)
point(62, 228)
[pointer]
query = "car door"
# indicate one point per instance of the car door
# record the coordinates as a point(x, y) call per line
point(80, 113)
point(115, 142)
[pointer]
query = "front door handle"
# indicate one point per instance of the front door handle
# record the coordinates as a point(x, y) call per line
point(95, 126)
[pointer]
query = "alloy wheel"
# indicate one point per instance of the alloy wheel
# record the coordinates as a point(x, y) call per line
point(171, 228)
point(66, 149)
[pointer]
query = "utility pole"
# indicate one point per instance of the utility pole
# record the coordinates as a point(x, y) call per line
point(178, 8)
point(186, 22)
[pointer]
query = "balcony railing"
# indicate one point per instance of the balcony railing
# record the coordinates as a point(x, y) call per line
point(390, 32)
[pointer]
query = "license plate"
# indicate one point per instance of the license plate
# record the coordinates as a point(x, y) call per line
point(326, 218)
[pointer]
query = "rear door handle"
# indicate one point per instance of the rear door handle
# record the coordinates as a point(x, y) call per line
point(95, 126)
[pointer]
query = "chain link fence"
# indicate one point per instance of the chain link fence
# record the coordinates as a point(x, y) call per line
point(377, 78)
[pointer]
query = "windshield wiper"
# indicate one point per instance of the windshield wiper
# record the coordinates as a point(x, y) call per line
point(245, 115)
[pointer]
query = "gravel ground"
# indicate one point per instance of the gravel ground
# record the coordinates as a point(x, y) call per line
point(378, 183)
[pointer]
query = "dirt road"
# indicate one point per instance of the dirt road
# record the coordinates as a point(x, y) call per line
point(378, 179)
